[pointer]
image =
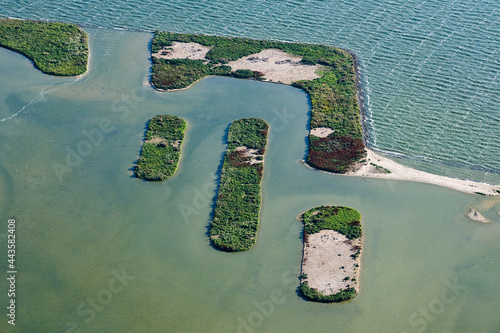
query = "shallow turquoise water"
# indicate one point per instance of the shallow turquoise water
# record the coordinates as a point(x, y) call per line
point(83, 222)
point(430, 68)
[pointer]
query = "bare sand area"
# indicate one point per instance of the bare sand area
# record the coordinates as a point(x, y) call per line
point(328, 263)
point(377, 166)
point(276, 65)
point(194, 51)
point(474, 215)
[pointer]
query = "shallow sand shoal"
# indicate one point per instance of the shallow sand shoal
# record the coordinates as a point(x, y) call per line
point(474, 215)
point(400, 172)
point(328, 263)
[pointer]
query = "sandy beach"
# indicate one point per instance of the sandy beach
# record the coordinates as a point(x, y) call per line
point(377, 166)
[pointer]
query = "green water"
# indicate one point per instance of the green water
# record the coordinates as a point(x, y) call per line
point(83, 220)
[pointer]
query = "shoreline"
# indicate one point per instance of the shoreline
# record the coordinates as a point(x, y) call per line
point(376, 166)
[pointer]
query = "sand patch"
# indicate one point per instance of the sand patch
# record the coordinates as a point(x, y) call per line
point(277, 66)
point(193, 51)
point(328, 263)
point(474, 215)
point(252, 155)
point(321, 132)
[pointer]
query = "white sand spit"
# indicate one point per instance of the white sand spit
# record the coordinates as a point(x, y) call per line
point(277, 66)
point(328, 263)
point(377, 166)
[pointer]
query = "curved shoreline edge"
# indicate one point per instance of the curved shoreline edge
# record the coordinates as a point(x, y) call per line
point(45, 43)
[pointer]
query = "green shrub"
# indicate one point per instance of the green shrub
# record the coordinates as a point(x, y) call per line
point(161, 151)
point(236, 216)
point(344, 220)
point(314, 295)
point(54, 48)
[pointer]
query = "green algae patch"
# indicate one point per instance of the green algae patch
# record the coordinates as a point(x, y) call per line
point(161, 151)
point(236, 216)
point(55, 48)
point(331, 255)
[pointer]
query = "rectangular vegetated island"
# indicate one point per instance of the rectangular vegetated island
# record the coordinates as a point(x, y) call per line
point(326, 73)
point(161, 151)
point(331, 255)
point(236, 216)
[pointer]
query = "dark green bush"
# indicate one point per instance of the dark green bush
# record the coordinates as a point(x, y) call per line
point(314, 295)
point(344, 220)
point(161, 151)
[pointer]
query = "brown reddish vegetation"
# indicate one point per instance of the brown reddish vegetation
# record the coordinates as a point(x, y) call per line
point(335, 153)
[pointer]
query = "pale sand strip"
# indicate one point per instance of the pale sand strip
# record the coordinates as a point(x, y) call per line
point(277, 66)
point(400, 172)
point(328, 263)
point(193, 51)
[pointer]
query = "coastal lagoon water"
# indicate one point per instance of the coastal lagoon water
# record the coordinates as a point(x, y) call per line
point(429, 68)
point(101, 251)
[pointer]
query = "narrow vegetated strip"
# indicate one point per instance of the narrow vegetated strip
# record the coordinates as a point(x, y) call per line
point(345, 221)
point(55, 48)
point(161, 151)
point(333, 95)
point(236, 216)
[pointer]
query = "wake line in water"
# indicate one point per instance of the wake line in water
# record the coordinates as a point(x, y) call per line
point(40, 97)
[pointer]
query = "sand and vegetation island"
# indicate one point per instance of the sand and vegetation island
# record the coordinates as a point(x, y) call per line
point(236, 216)
point(331, 257)
point(55, 48)
point(326, 73)
point(161, 151)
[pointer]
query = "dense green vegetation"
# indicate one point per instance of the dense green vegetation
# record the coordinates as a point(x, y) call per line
point(333, 95)
point(55, 48)
point(236, 216)
point(344, 220)
point(161, 151)
point(314, 295)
